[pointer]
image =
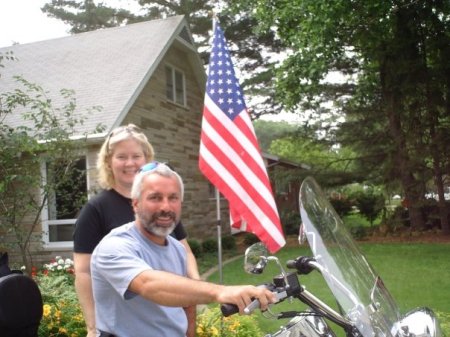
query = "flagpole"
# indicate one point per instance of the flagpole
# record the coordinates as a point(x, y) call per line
point(219, 236)
point(219, 221)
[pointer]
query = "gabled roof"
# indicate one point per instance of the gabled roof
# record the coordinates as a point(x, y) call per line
point(107, 67)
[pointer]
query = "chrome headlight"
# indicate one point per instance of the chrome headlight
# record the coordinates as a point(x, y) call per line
point(420, 322)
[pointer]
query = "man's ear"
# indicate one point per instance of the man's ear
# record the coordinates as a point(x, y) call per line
point(134, 204)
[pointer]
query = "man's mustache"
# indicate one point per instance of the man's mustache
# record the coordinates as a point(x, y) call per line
point(169, 214)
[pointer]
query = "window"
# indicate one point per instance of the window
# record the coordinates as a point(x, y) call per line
point(282, 187)
point(64, 202)
point(175, 86)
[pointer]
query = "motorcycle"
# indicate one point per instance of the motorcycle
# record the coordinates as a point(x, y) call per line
point(365, 307)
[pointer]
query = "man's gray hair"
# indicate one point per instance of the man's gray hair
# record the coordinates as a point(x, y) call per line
point(160, 169)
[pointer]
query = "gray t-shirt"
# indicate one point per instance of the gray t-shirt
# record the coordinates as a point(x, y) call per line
point(116, 261)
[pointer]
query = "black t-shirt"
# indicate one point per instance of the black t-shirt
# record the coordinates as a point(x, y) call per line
point(100, 215)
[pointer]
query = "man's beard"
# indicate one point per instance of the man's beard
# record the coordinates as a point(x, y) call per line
point(149, 222)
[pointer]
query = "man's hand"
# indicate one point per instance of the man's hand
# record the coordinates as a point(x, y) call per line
point(242, 296)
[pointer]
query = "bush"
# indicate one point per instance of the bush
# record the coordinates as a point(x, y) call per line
point(399, 218)
point(358, 232)
point(62, 315)
point(250, 239)
point(229, 242)
point(370, 204)
point(342, 206)
point(291, 221)
point(444, 322)
point(209, 246)
point(210, 323)
point(196, 247)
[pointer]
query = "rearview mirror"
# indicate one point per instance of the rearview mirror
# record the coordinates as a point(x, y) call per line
point(256, 258)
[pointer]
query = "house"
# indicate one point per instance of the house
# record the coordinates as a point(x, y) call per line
point(285, 189)
point(149, 74)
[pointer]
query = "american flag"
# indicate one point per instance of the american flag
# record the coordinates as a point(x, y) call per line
point(230, 156)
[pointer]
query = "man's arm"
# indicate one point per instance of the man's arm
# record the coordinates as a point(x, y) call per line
point(177, 291)
point(83, 287)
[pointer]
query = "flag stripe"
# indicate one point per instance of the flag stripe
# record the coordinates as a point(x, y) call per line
point(252, 195)
point(252, 179)
point(231, 186)
point(238, 132)
point(239, 144)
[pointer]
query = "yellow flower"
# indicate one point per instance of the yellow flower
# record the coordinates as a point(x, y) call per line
point(199, 327)
point(47, 310)
point(214, 331)
point(62, 330)
point(235, 325)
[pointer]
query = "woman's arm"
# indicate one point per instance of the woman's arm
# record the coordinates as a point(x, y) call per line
point(192, 267)
point(192, 272)
point(83, 287)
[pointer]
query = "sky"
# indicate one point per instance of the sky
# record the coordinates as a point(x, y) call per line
point(22, 21)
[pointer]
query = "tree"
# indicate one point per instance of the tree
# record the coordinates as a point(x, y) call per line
point(86, 15)
point(45, 142)
point(267, 131)
point(394, 54)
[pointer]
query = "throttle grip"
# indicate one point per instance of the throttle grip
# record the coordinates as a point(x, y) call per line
point(229, 309)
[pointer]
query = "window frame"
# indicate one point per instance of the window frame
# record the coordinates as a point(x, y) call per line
point(46, 223)
point(174, 86)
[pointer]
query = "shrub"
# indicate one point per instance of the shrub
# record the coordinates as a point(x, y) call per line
point(399, 218)
point(444, 322)
point(250, 239)
point(358, 232)
point(342, 206)
point(228, 242)
point(196, 247)
point(210, 323)
point(209, 246)
point(291, 221)
point(62, 315)
point(370, 204)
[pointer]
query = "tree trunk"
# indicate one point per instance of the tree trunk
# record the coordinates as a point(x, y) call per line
point(443, 212)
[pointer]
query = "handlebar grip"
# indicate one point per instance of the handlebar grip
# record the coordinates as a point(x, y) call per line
point(301, 264)
point(229, 309)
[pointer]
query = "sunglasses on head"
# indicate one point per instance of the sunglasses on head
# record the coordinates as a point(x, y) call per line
point(125, 128)
point(149, 166)
point(153, 165)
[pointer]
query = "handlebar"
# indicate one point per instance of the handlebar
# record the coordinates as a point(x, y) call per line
point(283, 286)
point(230, 309)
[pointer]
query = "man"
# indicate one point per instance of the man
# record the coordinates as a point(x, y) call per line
point(139, 271)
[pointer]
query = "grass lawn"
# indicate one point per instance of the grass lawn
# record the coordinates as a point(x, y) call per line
point(416, 274)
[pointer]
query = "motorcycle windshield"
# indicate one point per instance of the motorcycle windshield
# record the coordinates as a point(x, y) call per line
point(361, 295)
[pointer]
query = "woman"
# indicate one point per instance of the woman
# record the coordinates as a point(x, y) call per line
point(122, 154)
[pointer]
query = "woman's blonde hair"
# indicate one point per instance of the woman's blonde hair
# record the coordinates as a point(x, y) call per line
point(119, 134)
